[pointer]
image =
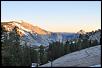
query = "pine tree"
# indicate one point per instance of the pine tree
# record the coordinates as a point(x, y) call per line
point(67, 47)
point(10, 47)
point(34, 55)
point(43, 55)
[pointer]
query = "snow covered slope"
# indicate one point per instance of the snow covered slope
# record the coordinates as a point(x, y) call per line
point(83, 58)
point(34, 35)
point(96, 36)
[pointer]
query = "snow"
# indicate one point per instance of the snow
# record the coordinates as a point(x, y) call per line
point(73, 42)
point(96, 36)
point(34, 64)
point(22, 32)
point(5, 26)
point(96, 65)
point(83, 58)
point(22, 27)
point(18, 21)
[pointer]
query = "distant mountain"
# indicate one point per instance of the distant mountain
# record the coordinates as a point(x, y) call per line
point(22, 25)
point(34, 35)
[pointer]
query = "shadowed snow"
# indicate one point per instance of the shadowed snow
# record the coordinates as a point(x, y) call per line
point(83, 58)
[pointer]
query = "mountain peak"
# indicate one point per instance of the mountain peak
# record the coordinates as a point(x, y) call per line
point(23, 25)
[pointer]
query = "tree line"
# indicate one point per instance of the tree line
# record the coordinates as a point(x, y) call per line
point(14, 54)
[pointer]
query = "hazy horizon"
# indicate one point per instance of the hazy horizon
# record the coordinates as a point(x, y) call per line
point(55, 16)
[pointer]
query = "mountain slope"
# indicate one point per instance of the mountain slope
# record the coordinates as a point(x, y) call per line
point(33, 35)
point(83, 58)
point(24, 26)
point(95, 35)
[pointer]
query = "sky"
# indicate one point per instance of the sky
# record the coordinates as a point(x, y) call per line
point(55, 16)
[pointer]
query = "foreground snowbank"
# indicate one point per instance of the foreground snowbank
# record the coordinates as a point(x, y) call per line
point(96, 65)
point(83, 58)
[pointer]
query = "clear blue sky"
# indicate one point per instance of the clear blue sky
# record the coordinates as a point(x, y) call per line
point(56, 16)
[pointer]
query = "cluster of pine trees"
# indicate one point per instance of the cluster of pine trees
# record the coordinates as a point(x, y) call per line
point(14, 54)
point(58, 49)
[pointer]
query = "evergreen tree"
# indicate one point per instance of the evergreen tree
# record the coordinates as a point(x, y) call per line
point(67, 47)
point(34, 55)
point(10, 46)
point(79, 44)
point(43, 55)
